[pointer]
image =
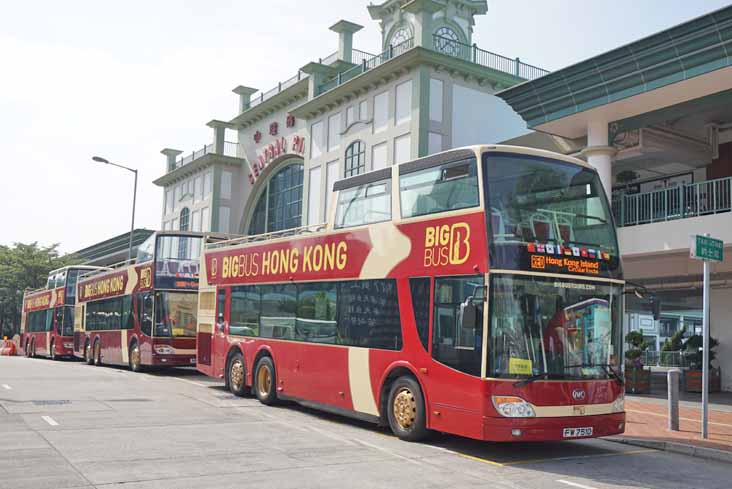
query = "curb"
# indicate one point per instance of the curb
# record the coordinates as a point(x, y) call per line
point(682, 448)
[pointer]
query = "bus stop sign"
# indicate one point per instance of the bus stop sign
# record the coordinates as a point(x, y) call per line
point(706, 248)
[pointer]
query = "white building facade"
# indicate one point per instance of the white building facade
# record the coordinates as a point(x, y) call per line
point(272, 167)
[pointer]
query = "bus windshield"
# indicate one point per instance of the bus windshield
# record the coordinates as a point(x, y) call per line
point(567, 329)
point(175, 314)
point(548, 207)
point(177, 262)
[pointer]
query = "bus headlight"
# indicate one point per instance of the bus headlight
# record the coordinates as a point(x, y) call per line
point(164, 350)
point(513, 407)
point(619, 404)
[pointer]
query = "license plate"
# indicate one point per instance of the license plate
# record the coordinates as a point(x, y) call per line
point(577, 432)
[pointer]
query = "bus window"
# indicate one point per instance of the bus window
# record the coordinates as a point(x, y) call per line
point(364, 204)
point(175, 314)
point(145, 313)
point(316, 313)
point(60, 279)
point(420, 289)
point(244, 312)
point(59, 320)
point(68, 322)
point(441, 188)
point(458, 323)
point(221, 309)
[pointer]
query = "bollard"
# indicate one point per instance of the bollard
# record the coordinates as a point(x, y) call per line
point(673, 399)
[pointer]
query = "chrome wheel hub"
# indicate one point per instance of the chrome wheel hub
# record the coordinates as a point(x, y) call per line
point(405, 408)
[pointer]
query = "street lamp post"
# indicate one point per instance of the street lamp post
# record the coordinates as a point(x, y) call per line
point(99, 159)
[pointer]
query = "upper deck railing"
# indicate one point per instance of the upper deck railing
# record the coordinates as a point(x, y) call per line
point(239, 240)
point(684, 201)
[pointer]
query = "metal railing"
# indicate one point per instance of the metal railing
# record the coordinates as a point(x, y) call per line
point(230, 149)
point(357, 56)
point(443, 45)
point(240, 240)
point(696, 199)
point(366, 64)
point(665, 359)
point(259, 97)
point(473, 54)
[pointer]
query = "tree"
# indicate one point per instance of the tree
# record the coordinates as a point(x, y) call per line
point(24, 266)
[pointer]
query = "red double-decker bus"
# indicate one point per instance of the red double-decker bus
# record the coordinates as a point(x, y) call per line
point(142, 313)
point(47, 319)
point(474, 292)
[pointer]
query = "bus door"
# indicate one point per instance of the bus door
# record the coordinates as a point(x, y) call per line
point(457, 349)
point(145, 308)
point(219, 343)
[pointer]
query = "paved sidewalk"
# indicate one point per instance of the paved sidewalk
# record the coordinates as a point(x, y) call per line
point(647, 424)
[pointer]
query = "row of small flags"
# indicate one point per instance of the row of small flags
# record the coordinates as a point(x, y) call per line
point(551, 249)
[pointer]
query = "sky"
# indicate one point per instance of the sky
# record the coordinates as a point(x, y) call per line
point(124, 80)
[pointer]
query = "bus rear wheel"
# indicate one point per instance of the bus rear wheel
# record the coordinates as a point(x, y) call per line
point(33, 349)
point(88, 353)
point(134, 356)
point(27, 347)
point(53, 350)
point(265, 381)
point(405, 410)
point(236, 375)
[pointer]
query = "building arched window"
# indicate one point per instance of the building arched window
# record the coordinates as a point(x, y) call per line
point(185, 219)
point(447, 41)
point(280, 204)
point(355, 159)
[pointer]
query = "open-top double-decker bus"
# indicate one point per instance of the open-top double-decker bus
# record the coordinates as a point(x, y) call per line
point(142, 313)
point(476, 292)
point(47, 319)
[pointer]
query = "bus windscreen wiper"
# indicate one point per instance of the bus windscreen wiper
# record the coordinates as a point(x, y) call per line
point(606, 367)
point(545, 375)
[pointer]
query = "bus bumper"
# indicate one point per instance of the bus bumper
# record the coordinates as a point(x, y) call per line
point(174, 360)
point(551, 429)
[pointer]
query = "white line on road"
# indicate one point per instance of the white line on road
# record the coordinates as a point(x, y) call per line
point(6, 386)
point(49, 420)
point(574, 484)
point(190, 382)
point(393, 454)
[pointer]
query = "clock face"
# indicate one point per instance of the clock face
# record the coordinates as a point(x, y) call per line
point(447, 41)
point(400, 36)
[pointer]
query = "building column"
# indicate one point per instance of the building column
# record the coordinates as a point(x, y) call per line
point(318, 74)
point(345, 32)
point(245, 96)
point(423, 11)
point(219, 135)
point(171, 155)
point(600, 155)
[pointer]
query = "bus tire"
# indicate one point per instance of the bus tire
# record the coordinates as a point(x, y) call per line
point(134, 358)
point(27, 347)
point(88, 359)
point(33, 348)
point(97, 352)
point(236, 375)
point(264, 383)
point(406, 411)
point(52, 353)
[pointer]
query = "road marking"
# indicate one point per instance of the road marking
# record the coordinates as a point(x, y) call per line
point(190, 382)
point(682, 419)
point(49, 420)
point(574, 484)
point(555, 459)
point(6, 386)
point(478, 459)
point(384, 450)
point(581, 457)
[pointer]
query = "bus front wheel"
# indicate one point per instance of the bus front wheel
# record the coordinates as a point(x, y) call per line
point(134, 356)
point(88, 353)
point(405, 410)
point(97, 353)
point(236, 375)
point(265, 381)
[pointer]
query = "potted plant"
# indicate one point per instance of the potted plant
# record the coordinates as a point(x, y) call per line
point(695, 360)
point(637, 377)
point(671, 350)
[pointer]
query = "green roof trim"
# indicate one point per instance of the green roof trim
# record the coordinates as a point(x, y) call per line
point(694, 48)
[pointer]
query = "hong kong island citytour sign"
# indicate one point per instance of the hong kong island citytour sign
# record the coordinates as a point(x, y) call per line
point(282, 145)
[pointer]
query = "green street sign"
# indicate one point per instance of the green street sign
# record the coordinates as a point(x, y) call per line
point(706, 248)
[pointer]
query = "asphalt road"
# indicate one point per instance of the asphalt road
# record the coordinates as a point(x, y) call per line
point(68, 425)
